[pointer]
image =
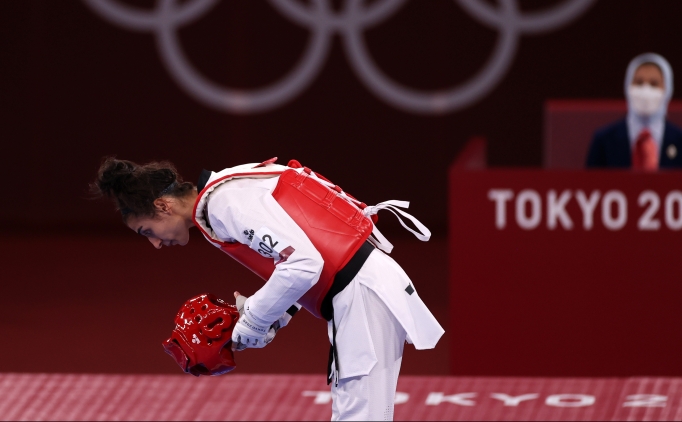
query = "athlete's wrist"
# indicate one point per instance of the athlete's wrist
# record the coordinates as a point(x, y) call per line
point(253, 314)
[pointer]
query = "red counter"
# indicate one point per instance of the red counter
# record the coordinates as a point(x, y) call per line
point(565, 273)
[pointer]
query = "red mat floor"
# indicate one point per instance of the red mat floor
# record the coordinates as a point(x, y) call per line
point(306, 397)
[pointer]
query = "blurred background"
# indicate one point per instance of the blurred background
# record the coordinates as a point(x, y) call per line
point(383, 98)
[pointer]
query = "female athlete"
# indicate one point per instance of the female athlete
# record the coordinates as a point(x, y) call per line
point(316, 247)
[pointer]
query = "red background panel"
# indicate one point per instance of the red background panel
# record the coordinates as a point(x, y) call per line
point(104, 304)
point(562, 302)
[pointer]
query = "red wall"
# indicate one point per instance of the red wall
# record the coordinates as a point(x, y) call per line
point(104, 304)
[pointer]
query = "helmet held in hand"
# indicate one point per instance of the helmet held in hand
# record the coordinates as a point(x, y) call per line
point(200, 342)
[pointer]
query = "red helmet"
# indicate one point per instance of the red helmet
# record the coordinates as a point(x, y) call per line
point(200, 342)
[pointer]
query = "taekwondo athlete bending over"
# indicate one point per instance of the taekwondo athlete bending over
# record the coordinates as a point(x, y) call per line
point(314, 245)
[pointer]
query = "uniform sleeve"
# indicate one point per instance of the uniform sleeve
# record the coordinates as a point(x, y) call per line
point(244, 211)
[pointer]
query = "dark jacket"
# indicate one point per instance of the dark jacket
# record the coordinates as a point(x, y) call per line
point(610, 147)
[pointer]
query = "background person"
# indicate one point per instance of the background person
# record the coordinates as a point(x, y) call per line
point(644, 140)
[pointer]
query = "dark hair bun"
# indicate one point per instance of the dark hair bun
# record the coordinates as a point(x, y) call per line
point(134, 187)
point(114, 175)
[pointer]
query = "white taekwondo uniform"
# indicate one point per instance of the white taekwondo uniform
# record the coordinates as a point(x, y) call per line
point(374, 315)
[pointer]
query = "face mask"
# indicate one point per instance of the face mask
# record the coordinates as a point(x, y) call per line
point(645, 100)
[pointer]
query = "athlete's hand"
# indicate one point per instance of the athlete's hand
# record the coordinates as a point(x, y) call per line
point(246, 333)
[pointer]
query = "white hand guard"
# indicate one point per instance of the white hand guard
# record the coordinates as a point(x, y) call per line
point(245, 340)
point(247, 334)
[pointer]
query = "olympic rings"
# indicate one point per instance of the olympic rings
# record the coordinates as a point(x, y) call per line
point(350, 23)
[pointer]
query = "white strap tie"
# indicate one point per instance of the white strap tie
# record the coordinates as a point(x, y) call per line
point(423, 233)
point(380, 241)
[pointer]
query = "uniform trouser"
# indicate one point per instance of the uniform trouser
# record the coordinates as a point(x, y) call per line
point(369, 397)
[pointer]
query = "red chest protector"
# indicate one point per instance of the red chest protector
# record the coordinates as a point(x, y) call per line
point(335, 227)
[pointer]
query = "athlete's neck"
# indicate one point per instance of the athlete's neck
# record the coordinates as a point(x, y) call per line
point(186, 207)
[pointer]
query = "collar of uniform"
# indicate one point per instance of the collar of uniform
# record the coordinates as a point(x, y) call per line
point(203, 179)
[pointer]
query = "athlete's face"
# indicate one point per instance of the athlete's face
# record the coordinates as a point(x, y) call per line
point(166, 228)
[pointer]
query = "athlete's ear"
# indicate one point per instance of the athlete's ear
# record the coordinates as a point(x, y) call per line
point(162, 206)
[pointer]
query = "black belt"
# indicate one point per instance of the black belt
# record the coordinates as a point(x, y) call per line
point(341, 280)
point(344, 277)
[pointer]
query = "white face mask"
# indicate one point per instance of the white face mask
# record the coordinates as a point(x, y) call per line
point(645, 100)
